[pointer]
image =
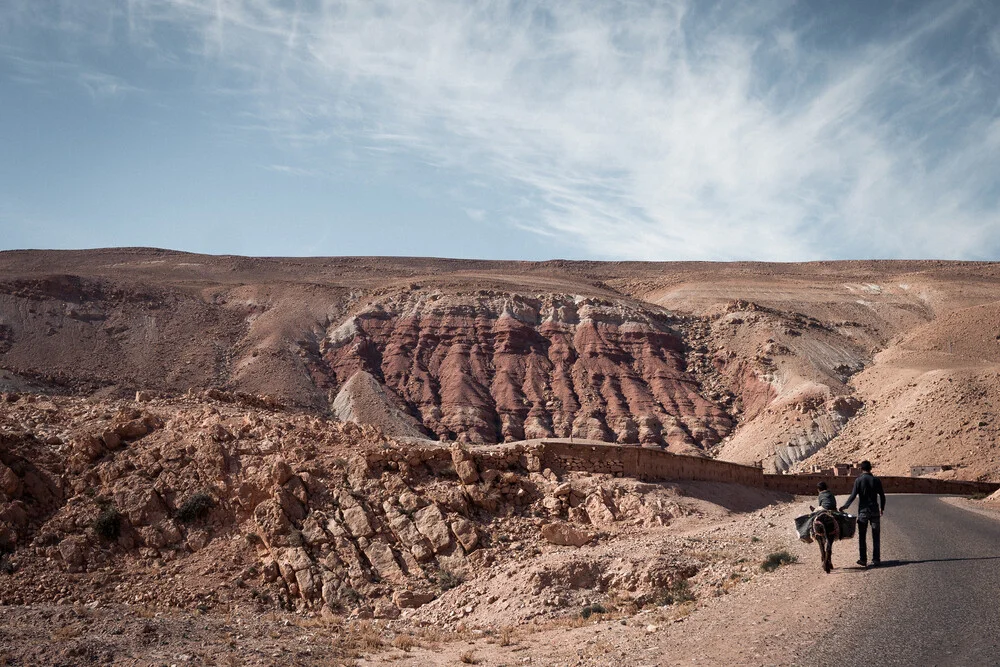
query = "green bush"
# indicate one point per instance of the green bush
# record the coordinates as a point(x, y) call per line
point(108, 523)
point(777, 559)
point(196, 507)
point(592, 609)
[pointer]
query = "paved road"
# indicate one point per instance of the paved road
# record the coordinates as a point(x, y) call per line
point(934, 601)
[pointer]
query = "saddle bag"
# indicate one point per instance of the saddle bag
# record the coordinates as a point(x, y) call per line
point(847, 525)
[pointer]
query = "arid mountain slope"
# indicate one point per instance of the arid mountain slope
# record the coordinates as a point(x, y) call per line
point(784, 365)
point(494, 366)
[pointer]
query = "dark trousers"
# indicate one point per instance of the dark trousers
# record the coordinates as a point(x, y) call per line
point(863, 538)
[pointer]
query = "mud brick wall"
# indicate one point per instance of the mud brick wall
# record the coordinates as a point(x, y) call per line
point(654, 465)
point(841, 486)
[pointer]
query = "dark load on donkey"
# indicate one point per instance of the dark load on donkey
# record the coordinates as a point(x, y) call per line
point(826, 526)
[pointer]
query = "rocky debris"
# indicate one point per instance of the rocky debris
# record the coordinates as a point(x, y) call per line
point(363, 400)
point(565, 535)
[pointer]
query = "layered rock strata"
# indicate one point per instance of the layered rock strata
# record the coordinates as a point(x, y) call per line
point(489, 367)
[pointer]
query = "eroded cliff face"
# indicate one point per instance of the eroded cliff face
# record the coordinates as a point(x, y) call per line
point(489, 366)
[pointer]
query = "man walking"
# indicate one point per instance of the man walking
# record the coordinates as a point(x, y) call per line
point(871, 505)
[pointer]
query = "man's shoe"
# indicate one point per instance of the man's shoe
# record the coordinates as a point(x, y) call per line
point(862, 563)
point(876, 563)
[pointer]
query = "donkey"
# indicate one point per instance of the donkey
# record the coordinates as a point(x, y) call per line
point(826, 530)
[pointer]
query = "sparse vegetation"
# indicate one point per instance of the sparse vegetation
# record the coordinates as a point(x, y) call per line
point(448, 580)
point(404, 642)
point(108, 523)
point(979, 496)
point(506, 637)
point(777, 559)
point(592, 609)
point(677, 593)
point(196, 507)
point(469, 658)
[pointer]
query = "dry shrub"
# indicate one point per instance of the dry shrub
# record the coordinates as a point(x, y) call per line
point(145, 611)
point(777, 559)
point(364, 635)
point(469, 658)
point(506, 635)
point(405, 642)
point(357, 639)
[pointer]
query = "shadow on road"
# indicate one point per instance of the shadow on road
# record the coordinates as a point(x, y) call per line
point(897, 563)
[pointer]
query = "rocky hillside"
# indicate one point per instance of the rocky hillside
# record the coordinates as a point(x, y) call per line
point(785, 366)
point(239, 502)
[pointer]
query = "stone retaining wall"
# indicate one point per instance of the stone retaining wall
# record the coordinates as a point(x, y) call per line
point(654, 465)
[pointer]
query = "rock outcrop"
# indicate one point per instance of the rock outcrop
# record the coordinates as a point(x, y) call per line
point(491, 367)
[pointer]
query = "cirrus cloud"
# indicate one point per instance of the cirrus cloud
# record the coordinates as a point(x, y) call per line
point(630, 129)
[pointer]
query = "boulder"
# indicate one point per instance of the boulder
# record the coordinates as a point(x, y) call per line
point(220, 433)
point(272, 522)
point(386, 609)
point(312, 531)
point(599, 510)
point(73, 550)
point(281, 472)
point(10, 483)
point(411, 502)
point(466, 471)
point(430, 522)
point(565, 535)
point(111, 440)
point(410, 537)
point(552, 504)
point(356, 521)
point(465, 532)
point(411, 599)
point(382, 559)
point(171, 533)
point(290, 505)
point(142, 507)
point(198, 540)
point(132, 430)
point(90, 448)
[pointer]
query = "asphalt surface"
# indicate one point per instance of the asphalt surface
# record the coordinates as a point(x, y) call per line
point(935, 600)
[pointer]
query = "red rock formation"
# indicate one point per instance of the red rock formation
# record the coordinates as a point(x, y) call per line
point(490, 367)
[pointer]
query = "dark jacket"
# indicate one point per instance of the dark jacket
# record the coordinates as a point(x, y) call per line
point(871, 498)
point(827, 500)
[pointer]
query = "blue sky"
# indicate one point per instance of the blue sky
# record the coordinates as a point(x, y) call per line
point(764, 130)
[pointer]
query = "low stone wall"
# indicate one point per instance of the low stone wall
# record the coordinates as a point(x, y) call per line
point(654, 465)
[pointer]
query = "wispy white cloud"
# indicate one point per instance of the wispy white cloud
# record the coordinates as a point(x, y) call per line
point(294, 171)
point(652, 130)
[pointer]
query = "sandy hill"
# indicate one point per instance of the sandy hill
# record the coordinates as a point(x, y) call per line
point(785, 365)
